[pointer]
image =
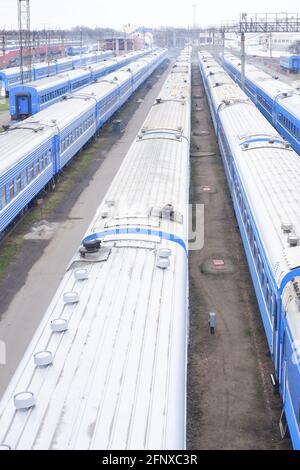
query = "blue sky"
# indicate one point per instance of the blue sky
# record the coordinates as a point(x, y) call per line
point(115, 13)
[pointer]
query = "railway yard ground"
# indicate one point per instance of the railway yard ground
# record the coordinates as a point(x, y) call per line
point(34, 256)
point(270, 65)
point(4, 113)
point(231, 402)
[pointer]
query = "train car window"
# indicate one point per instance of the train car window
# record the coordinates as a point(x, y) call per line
point(31, 172)
point(263, 280)
point(19, 184)
point(251, 238)
point(248, 227)
point(3, 197)
point(268, 295)
point(11, 189)
point(37, 167)
point(259, 264)
point(25, 178)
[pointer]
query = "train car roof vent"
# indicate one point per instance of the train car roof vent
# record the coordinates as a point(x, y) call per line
point(24, 400)
point(110, 202)
point(105, 214)
point(286, 227)
point(163, 263)
point(71, 298)
point(43, 359)
point(81, 274)
point(293, 240)
point(168, 209)
point(156, 212)
point(164, 253)
point(59, 325)
point(92, 246)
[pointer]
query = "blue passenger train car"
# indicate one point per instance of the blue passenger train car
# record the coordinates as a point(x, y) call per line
point(35, 150)
point(31, 98)
point(290, 63)
point(278, 101)
point(263, 174)
point(12, 76)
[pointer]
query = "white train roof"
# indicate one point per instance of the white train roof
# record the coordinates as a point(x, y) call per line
point(15, 70)
point(107, 83)
point(118, 374)
point(21, 140)
point(56, 80)
point(270, 173)
point(287, 95)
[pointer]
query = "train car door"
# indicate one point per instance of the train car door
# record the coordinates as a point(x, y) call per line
point(275, 304)
point(295, 64)
point(23, 106)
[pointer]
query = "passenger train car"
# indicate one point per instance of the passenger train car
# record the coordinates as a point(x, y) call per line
point(263, 174)
point(106, 368)
point(26, 100)
point(290, 63)
point(12, 76)
point(35, 151)
point(278, 101)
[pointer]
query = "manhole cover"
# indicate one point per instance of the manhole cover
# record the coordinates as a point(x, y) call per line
point(207, 189)
point(218, 266)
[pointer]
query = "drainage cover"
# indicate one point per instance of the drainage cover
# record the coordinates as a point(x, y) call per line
point(218, 266)
point(208, 189)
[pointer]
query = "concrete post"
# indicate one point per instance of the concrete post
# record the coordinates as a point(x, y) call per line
point(243, 59)
point(223, 47)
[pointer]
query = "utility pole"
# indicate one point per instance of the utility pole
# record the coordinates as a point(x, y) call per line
point(25, 38)
point(3, 44)
point(48, 39)
point(63, 43)
point(223, 46)
point(243, 23)
point(194, 15)
point(243, 60)
point(81, 45)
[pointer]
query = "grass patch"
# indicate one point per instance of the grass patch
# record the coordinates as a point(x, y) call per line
point(7, 254)
point(10, 246)
point(248, 332)
point(4, 106)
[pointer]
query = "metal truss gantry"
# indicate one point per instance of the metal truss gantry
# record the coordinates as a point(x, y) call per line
point(25, 38)
point(258, 23)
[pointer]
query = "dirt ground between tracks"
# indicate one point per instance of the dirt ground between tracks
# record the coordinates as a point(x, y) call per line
point(231, 402)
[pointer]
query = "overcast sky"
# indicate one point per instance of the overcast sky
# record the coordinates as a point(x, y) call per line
point(116, 13)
